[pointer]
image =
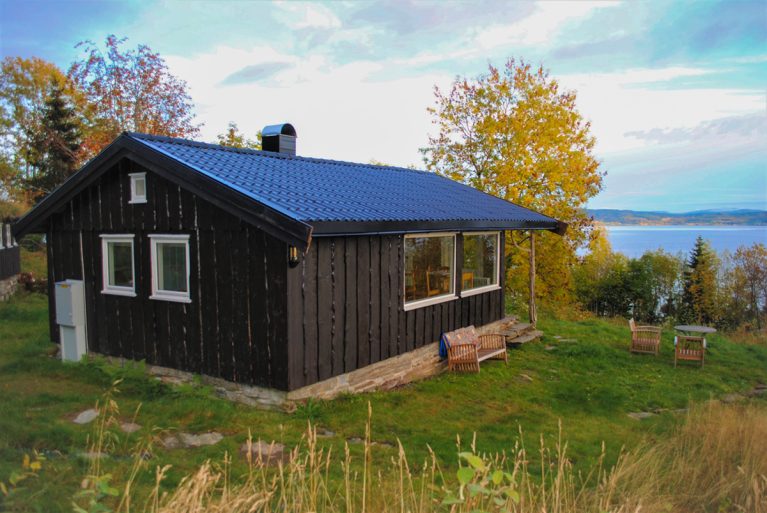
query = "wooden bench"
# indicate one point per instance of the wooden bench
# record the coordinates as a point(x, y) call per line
point(466, 348)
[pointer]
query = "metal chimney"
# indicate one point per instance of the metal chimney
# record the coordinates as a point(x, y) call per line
point(279, 139)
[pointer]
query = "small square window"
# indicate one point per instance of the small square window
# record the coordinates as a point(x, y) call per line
point(170, 267)
point(118, 270)
point(137, 188)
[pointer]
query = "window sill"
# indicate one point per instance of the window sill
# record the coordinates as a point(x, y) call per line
point(116, 292)
point(175, 299)
point(480, 290)
point(136, 201)
point(430, 301)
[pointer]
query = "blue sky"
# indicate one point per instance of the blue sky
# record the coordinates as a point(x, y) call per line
point(676, 91)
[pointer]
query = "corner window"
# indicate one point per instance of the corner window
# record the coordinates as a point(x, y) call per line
point(137, 188)
point(170, 267)
point(118, 270)
point(480, 263)
point(429, 269)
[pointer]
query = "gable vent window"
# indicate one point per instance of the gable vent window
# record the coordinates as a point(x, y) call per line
point(480, 263)
point(170, 268)
point(137, 188)
point(118, 267)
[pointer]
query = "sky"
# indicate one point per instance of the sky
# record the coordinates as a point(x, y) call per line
point(676, 92)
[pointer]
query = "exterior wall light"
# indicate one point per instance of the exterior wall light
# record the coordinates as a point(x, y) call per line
point(293, 256)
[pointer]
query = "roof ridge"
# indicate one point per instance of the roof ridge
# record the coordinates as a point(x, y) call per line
point(268, 154)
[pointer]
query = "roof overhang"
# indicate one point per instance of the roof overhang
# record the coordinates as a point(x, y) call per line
point(340, 228)
point(275, 223)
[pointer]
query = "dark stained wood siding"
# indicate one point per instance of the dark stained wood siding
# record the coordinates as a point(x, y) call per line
point(235, 326)
point(345, 308)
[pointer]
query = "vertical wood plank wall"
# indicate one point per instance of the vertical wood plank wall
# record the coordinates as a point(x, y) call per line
point(345, 308)
point(234, 328)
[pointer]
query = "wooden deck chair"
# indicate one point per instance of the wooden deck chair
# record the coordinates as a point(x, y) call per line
point(690, 349)
point(644, 339)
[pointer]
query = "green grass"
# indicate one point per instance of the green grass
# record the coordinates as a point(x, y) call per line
point(588, 386)
point(34, 262)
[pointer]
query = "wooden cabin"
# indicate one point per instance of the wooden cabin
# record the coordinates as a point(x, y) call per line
point(266, 268)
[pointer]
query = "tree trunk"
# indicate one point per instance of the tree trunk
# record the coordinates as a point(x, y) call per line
point(532, 311)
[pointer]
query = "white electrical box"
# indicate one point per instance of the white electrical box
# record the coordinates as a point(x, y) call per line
point(70, 316)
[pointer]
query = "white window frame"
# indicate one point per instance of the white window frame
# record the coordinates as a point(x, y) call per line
point(420, 303)
point(169, 295)
point(135, 198)
point(497, 284)
point(117, 290)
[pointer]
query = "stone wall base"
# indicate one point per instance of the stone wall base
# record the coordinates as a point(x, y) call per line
point(8, 287)
point(387, 374)
point(384, 375)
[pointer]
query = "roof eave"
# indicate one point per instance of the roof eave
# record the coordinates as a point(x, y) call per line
point(341, 228)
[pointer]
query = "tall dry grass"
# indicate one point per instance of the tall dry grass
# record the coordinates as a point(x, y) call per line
point(715, 461)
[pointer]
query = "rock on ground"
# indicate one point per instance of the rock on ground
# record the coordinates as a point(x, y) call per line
point(129, 427)
point(263, 452)
point(732, 398)
point(191, 440)
point(86, 417)
point(639, 415)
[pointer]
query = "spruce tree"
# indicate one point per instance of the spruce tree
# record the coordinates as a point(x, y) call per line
point(700, 284)
point(56, 145)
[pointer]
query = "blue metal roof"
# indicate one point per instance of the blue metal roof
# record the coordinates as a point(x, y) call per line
point(317, 190)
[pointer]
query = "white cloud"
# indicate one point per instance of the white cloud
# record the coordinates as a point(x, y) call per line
point(541, 27)
point(302, 15)
point(621, 102)
point(338, 112)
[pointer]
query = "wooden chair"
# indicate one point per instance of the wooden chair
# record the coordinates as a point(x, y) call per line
point(432, 289)
point(467, 280)
point(690, 349)
point(466, 348)
point(644, 339)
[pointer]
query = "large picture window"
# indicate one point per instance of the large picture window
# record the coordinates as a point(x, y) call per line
point(480, 263)
point(118, 270)
point(429, 269)
point(170, 267)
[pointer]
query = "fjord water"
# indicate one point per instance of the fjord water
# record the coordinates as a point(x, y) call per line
point(632, 241)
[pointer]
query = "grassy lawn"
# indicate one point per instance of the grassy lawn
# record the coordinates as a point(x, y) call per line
point(586, 380)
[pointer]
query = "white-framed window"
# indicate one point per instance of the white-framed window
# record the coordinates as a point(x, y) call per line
point(118, 267)
point(170, 267)
point(429, 269)
point(137, 187)
point(480, 269)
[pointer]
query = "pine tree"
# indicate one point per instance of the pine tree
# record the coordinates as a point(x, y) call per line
point(699, 300)
point(55, 146)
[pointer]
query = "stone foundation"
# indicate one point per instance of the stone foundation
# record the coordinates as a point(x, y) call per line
point(384, 375)
point(8, 287)
point(415, 365)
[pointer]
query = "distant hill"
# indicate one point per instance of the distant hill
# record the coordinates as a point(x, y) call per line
point(698, 217)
